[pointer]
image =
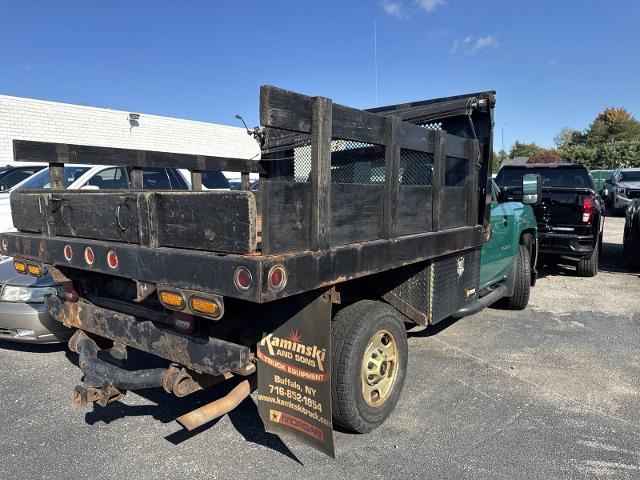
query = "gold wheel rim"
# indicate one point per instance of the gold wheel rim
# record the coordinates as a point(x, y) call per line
point(379, 368)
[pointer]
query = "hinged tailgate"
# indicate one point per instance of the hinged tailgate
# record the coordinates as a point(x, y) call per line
point(212, 220)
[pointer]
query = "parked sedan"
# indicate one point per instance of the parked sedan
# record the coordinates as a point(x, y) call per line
point(631, 239)
point(23, 317)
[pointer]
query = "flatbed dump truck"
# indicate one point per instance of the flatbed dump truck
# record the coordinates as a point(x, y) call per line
point(364, 221)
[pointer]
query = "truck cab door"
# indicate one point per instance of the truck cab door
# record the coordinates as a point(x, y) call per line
point(497, 253)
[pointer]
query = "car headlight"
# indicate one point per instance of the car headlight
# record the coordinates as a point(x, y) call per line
point(11, 293)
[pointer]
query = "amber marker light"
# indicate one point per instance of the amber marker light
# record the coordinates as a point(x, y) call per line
point(172, 299)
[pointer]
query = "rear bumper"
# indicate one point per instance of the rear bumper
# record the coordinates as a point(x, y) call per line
point(208, 355)
point(30, 323)
point(565, 244)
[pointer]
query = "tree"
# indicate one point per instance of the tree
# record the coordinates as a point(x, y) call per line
point(567, 136)
point(612, 140)
point(545, 155)
point(497, 160)
point(520, 149)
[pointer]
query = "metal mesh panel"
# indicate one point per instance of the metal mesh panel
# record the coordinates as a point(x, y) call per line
point(414, 290)
point(356, 162)
point(416, 168)
point(432, 125)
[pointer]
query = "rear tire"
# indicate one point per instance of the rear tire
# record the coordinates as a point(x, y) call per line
point(631, 248)
point(588, 267)
point(368, 350)
point(522, 286)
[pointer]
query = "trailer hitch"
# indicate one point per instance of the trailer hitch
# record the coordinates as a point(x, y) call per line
point(104, 382)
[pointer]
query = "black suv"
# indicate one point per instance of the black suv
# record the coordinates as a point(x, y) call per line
point(570, 214)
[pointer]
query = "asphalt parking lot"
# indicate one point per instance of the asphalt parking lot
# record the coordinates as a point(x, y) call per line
point(550, 392)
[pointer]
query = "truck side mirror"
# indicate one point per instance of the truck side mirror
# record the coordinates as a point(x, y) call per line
point(531, 188)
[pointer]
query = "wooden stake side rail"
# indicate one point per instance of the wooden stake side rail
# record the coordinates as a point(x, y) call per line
point(351, 213)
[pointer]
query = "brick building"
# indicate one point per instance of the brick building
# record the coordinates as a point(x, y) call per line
point(28, 119)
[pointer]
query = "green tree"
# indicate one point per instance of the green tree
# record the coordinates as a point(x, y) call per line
point(612, 140)
point(520, 149)
point(497, 160)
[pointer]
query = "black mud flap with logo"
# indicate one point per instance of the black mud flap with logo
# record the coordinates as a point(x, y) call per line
point(294, 373)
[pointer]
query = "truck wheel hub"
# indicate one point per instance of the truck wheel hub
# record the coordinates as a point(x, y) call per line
point(379, 368)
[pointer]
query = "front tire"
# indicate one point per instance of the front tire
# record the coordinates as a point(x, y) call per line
point(522, 286)
point(369, 353)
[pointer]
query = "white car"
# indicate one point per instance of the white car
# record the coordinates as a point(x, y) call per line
point(97, 178)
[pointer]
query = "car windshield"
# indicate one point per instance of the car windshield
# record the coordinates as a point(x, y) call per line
point(41, 179)
point(630, 176)
point(551, 177)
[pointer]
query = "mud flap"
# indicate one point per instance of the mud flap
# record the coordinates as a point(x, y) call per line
point(294, 374)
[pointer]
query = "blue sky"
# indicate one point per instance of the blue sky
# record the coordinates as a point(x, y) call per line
point(553, 63)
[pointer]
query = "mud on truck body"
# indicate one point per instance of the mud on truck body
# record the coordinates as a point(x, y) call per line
point(364, 221)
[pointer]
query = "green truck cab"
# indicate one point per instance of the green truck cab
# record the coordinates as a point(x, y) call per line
point(508, 258)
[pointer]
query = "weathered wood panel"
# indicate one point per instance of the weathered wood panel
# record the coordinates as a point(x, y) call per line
point(454, 207)
point(217, 221)
point(414, 209)
point(29, 151)
point(285, 216)
point(356, 214)
point(107, 216)
point(27, 212)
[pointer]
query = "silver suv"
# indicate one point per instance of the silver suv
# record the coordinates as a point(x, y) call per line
point(624, 187)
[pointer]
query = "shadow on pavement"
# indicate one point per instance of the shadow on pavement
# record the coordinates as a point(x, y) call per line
point(245, 419)
point(32, 347)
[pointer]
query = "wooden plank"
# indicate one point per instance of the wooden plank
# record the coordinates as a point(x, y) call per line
point(414, 211)
point(456, 146)
point(29, 151)
point(147, 224)
point(455, 213)
point(196, 180)
point(136, 178)
point(216, 221)
point(391, 178)
point(439, 164)
point(27, 212)
point(356, 212)
point(473, 149)
point(105, 216)
point(320, 172)
point(245, 181)
point(285, 216)
point(417, 138)
point(287, 110)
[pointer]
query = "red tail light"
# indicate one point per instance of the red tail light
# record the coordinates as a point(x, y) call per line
point(587, 209)
point(112, 259)
point(68, 253)
point(89, 257)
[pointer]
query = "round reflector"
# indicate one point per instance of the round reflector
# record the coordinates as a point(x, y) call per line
point(68, 252)
point(277, 277)
point(89, 257)
point(242, 278)
point(112, 259)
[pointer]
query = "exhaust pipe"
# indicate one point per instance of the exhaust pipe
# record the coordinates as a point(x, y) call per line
point(105, 382)
point(217, 408)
